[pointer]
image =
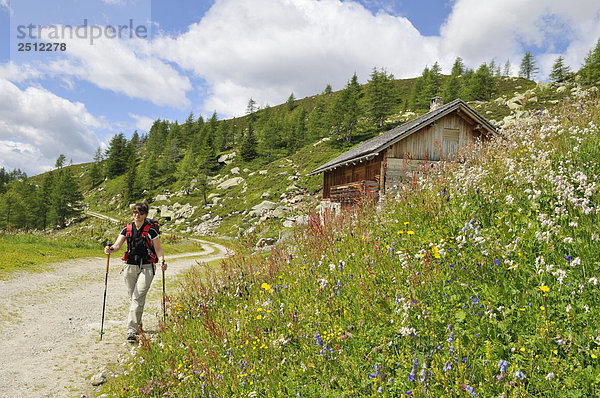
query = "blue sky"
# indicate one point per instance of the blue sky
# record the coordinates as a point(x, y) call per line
point(206, 56)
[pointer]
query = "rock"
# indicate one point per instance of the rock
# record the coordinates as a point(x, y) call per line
point(266, 195)
point(235, 170)
point(186, 211)
point(153, 212)
point(263, 242)
point(281, 211)
point(160, 197)
point(262, 172)
point(232, 182)
point(262, 208)
point(296, 199)
point(561, 89)
point(167, 214)
point(288, 224)
point(543, 86)
point(293, 178)
point(513, 104)
point(99, 379)
point(227, 158)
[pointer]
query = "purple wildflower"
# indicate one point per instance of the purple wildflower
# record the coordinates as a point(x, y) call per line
point(519, 375)
point(502, 365)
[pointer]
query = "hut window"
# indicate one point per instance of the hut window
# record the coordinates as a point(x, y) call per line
point(450, 143)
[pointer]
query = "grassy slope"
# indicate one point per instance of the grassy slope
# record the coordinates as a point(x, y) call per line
point(478, 282)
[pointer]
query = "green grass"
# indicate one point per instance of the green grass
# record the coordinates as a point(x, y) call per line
point(35, 251)
point(27, 252)
point(480, 281)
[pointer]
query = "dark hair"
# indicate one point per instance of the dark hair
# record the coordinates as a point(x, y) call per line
point(141, 207)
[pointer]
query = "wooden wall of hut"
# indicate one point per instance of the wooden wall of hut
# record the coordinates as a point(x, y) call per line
point(369, 170)
point(443, 137)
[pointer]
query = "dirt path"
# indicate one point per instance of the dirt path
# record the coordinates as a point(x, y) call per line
point(50, 324)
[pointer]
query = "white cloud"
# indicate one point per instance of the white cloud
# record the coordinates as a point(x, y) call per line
point(142, 123)
point(481, 30)
point(19, 73)
point(125, 67)
point(266, 49)
point(36, 126)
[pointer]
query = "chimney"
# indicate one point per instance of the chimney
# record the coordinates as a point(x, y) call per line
point(436, 102)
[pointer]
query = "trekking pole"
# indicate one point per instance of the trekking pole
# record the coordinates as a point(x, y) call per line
point(104, 302)
point(164, 305)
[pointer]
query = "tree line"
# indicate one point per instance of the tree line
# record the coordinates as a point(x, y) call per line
point(53, 202)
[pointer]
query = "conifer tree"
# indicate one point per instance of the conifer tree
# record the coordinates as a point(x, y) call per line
point(66, 198)
point(560, 71)
point(590, 71)
point(187, 168)
point(117, 156)
point(291, 102)
point(458, 68)
point(482, 85)
point(528, 66)
point(344, 113)
point(317, 126)
point(381, 95)
point(44, 199)
point(96, 169)
point(248, 150)
point(131, 188)
point(427, 87)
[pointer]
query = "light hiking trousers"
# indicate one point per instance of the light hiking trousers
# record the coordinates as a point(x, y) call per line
point(138, 282)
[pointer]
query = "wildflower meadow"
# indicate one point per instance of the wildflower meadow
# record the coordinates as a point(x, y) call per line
point(478, 278)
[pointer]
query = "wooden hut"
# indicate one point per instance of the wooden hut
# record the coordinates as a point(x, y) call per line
point(378, 164)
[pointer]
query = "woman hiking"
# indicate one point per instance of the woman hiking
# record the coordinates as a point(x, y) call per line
point(143, 252)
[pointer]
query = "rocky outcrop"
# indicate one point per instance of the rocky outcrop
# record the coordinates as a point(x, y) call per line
point(230, 183)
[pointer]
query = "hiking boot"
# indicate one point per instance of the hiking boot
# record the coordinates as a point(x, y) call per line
point(131, 337)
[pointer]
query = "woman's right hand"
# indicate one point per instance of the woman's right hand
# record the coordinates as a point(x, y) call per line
point(107, 250)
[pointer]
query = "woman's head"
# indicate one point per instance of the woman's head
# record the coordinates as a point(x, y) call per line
point(140, 209)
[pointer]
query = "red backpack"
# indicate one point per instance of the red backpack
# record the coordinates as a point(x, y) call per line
point(150, 254)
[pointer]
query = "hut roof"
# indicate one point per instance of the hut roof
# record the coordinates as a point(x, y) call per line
point(369, 149)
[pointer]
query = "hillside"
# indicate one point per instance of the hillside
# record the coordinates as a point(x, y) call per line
point(479, 280)
point(281, 188)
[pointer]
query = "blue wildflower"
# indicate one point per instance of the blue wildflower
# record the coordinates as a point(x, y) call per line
point(447, 366)
point(413, 372)
point(519, 375)
point(449, 339)
point(496, 262)
point(318, 340)
point(569, 258)
point(502, 365)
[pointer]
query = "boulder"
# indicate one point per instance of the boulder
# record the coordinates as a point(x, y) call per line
point(266, 195)
point(230, 183)
point(561, 89)
point(167, 214)
point(263, 242)
point(185, 211)
point(262, 208)
point(153, 212)
point(288, 223)
point(227, 158)
point(99, 379)
point(262, 172)
point(160, 197)
point(235, 170)
point(281, 211)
